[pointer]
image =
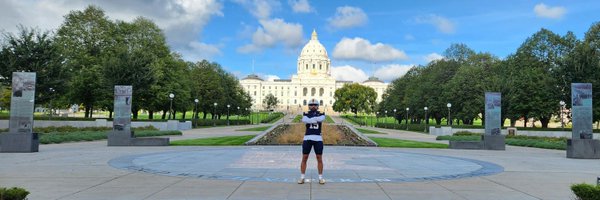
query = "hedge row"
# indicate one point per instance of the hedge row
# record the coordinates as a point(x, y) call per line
point(356, 120)
point(272, 118)
point(411, 127)
point(220, 122)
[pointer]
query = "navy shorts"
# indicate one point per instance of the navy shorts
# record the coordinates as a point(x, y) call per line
point(307, 145)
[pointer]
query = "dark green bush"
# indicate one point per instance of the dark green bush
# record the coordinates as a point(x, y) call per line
point(357, 120)
point(585, 191)
point(56, 137)
point(463, 133)
point(14, 193)
point(221, 122)
point(411, 127)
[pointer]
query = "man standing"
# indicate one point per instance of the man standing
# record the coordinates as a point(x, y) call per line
point(312, 138)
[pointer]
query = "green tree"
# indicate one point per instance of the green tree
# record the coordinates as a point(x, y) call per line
point(84, 39)
point(133, 60)
point(34, 51)
point(354, 98)
point(536, 60)
point(270, 101)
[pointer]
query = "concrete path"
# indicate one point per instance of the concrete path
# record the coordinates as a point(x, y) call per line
point(82, 171)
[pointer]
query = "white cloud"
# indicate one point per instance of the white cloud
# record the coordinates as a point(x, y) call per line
point(273, 32)
point(362, 49)
point(443, 25)
point(542, 10)
point(432, 56)
point(197, 51)
point(300, 6)
point(270, 77)
point(182, 21)
point(390, 72)
point(348, 17)
point(261, 9)
point(348, 73)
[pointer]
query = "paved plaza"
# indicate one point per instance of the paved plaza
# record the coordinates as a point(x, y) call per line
point(91, 170)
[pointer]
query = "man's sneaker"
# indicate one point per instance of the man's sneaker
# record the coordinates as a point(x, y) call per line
point(301, 181)
point(321, 181)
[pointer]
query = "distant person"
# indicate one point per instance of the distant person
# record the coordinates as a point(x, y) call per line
point(312, 138)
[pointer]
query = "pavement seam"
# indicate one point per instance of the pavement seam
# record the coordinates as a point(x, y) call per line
point(510, 187)
point(238, 187)
point(386, 194)
point(93, 186)
point(449, 190)
point(164, 188)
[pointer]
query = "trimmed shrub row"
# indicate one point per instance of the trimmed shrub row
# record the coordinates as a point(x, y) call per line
point(55, 137)
point(518, 140)
point(221, 122)
point(272, 118)
point(357, 120)
point(411, 127)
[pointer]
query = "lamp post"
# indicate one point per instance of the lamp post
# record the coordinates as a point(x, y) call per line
point(377, 116)
point(238, 117)
point(449, 120)
point(228, 114)
point(171, 96)
point(50, 107)
point(249, 114)
point(426, 119)
point(385, 116)
point(407, 109)
point(195, 115)
point(562, 108)
point(214, 115)
point(395, 115)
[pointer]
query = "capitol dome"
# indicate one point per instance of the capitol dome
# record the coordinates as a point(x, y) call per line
point(313, 59)
point(313, 49)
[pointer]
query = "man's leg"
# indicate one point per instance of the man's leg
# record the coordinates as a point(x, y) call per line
point(303, 164)
point(319, 153)
point(306, 147)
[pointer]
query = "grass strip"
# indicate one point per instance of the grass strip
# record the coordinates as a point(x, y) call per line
point(262, 128)
point(214, 141)
point(397, 143)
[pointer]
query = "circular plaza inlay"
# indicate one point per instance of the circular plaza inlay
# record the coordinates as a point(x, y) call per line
point(281, 164)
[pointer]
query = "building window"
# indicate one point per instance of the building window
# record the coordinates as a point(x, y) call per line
point(313, 66)
point(313, 91)
point(295, 94)
point(321, 102)
point(306, 66)
point(330, 102)
point(321, 92)
point(320, 67)
point(269, 87)
point(255, 87)
point(294, 101)
point(330, 94)
point(304, 102)
point(254, 93)
point(305, 90)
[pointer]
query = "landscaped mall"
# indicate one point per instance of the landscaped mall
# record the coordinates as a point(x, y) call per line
point(313, 81)
point(151, 100)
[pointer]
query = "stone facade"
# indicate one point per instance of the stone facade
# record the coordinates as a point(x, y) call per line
point(313, 80)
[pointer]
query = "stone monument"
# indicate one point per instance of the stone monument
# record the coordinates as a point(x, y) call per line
point(582, 144)
point(492, 139)
point(21, 137)
point(121, 134)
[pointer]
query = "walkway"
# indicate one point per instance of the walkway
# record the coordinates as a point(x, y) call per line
point(91, 170)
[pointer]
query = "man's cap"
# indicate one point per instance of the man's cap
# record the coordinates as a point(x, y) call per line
point(313, 102)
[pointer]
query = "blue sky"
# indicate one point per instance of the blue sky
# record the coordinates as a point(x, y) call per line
point(363, 38)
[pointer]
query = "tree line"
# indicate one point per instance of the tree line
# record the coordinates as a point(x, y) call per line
point(81, 61)
point(533, 80)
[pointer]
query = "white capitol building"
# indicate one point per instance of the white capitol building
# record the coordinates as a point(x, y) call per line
point(313, 80)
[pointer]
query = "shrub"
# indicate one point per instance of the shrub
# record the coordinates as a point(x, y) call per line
point(14, 193)
point(272, 118)
point(411, 127)
point(585, 191)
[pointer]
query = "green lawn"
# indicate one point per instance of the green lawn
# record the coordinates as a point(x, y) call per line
point(262, 128)
point(388, 142)
point(215, 141)
point(297, 119)
point(367, 131)
point(328, 119)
